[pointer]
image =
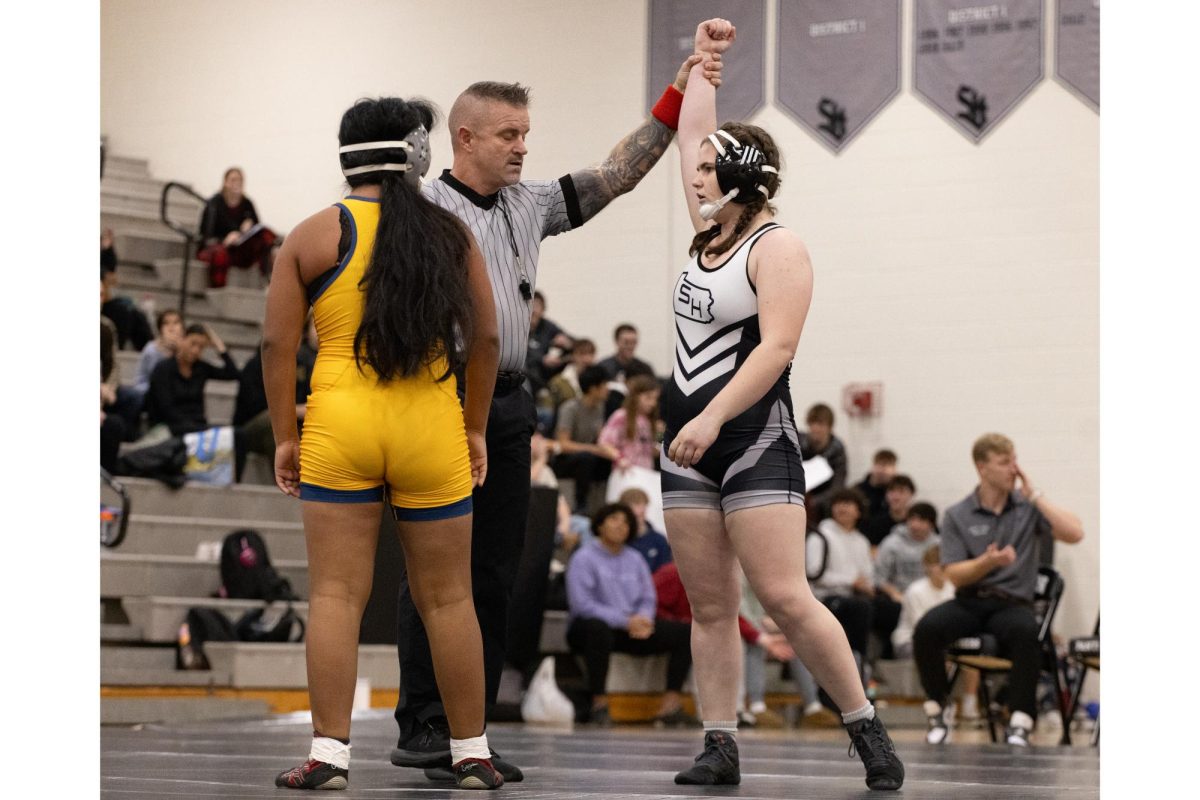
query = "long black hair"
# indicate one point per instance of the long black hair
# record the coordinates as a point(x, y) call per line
point(417, 307)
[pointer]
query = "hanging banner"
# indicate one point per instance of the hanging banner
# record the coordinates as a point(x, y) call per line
point(671, 39)
point(1077, 56)
point(975, 62)
point(839, 64)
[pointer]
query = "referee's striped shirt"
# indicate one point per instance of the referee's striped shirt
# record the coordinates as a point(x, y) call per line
point(536, 209)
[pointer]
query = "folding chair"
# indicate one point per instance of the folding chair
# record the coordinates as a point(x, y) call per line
point(1085, 652)
point(982, 653)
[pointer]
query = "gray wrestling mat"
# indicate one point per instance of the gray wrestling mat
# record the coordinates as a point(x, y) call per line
point(239, 759)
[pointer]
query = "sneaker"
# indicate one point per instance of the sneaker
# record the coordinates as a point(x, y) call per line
point(717, 765)
point(600, 718)
point(314, 774)
point(746, 719)
point(511, 772)
point(1017, 735)
point(429, 746)
point(870, 739)
point(770, 719)
point(677, 719)
point(477, 773)
point(936, 729)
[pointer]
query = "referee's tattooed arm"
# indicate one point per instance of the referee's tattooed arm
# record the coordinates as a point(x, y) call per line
point(627, 164)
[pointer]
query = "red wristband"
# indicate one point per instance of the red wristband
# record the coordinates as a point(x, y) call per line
point(666, 110)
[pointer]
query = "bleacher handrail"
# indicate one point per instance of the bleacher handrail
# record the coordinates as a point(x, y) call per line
point(188, 234)
point(126, 504)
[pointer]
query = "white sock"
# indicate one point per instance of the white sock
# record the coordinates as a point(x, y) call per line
point(932, 708)
point(866, 712)
point(1020, 719)
point(725, 726)
point(469, 748)
point(758, 707)
point(331, 751)
point(812, 708)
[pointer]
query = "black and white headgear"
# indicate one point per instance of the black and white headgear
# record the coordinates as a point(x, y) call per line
point(414, 162)
point(740, 167)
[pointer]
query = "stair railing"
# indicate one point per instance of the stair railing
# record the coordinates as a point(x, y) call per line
point(189, 235)
point(109, 537)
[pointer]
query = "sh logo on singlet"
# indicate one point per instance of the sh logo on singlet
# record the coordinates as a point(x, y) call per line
point(694, 302)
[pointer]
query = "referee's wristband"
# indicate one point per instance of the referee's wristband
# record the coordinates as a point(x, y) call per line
point(666, 110)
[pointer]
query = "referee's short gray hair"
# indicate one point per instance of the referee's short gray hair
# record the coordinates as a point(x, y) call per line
point(513, 94)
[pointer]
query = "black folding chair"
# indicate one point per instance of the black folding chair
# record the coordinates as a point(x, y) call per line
point(1085, 652)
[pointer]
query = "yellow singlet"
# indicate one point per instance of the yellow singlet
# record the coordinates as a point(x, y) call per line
point(361, 436)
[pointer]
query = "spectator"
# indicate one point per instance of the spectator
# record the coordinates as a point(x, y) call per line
point(566, 535)
point(565, 385)
point(112, 426)
point(129, 322)
point(578, 455)
point(230, 232)
point(650, 543)
point(612, 608)
point(547, 344)
point(631, 429)
point(874, 485)
point(846, 585)
point(617, 365)
point(898, 564)
point(170, 334)
point(820, 441)
point(921, 595)
point(176, 396)
point(897, 499)
point(990, 552)
point(617, 388)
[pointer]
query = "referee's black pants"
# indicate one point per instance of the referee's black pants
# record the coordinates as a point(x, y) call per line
point(1015, 629)
point(501, 507)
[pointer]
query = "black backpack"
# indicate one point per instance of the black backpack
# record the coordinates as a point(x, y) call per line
point(246, 571)
point(267, 625)
point(201, 625)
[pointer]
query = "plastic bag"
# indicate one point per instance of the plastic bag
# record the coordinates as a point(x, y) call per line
point(210, 456)
point(647, 480)
point(544, 702)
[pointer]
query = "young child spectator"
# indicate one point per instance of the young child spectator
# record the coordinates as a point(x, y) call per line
point(612, 608)
point(176, 396)
point(162, 347)
point(227, 219)
point(874, 485)
point(630, 430)
point(578, 455)
point(899, 496)
point(820, 441)
point(618, 365)
point(846, 586)
point(921, 595)
point(898, 564)
point(649, 542)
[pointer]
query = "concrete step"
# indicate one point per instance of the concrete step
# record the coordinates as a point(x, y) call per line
point(127, 221)
point(135, 200)
point(147, 243)
point(178, 710)
point(120, 633)
point(234, 502)
point(170, 270)
point(125, 166)
point(130, 183)
point(141, 575)
point(151, 297)
point(138, 665)
point(150, 534)
point(252, 665)
point(239, 304)
point(158, 618)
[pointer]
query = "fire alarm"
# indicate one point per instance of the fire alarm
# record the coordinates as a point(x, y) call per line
point(863, 399)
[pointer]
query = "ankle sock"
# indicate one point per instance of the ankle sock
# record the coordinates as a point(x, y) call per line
point(476, 747)
point(330, 751)
point(866, 712)
point(1020, 719)
point(932, 708)
point(724, 726)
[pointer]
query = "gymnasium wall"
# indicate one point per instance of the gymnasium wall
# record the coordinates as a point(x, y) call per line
point(963, 277)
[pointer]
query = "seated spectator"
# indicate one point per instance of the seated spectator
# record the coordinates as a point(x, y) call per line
point(567, 535)
point(612, 608)
point(990, 552)
point(819, 440)
point(176, 396)
point(579, 456)
point(650, 543)
point(874, 485)
point(617, 388)
point(921, 595)
point(898, 564)
point(630, 430)
point(128, 321)
point(230, 233)
point(897, 499)
point(170, 334)
point(112, 427)
point(565, 385)
point(548, 343)
point(846, 586)
point(617, 365)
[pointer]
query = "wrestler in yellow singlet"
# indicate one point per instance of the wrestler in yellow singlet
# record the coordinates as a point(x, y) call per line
point(361, 435)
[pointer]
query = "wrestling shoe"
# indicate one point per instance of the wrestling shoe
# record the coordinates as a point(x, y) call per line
point(477, 773)
point(717, 765)
point(429, 746)
point(870, 739)
point(314, 775)
point(511, 772)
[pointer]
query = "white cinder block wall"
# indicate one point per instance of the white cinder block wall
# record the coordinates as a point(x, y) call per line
point(962, 276)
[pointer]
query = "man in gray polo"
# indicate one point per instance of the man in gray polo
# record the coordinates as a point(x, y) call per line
point(990, 543)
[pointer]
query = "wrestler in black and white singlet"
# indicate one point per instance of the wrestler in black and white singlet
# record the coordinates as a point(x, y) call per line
point(755, 459)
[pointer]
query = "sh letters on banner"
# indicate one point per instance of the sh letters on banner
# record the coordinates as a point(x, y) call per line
point(839, 64)
point(974, 62)
point(672, 38)
point(1077, 55)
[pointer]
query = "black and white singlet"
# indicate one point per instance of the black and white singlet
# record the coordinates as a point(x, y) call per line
point(755, 459)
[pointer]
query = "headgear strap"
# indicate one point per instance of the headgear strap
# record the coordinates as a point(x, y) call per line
point(416, 156)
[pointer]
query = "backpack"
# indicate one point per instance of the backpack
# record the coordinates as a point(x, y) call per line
point(163, 460)
point(263, 625)
point(246, 571)
point(201, 625)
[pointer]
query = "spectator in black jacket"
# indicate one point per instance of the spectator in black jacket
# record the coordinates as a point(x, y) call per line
point(176, 396)
point(128, 321)
point(820, 441)
point(230, 234)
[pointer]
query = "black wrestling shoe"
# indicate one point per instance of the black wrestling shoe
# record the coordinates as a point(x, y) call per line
point(511, 772)
point(477, 773)
point(717, 765)
point(429, 746)
point(314, 775)
point(870, 739)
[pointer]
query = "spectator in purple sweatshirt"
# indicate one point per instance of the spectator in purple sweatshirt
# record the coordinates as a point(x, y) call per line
point(611, 602)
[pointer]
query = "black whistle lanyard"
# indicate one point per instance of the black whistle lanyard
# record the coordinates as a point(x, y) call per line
point(525, 286)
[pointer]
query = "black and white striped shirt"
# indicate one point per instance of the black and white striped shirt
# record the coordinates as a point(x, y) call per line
point(535, 209)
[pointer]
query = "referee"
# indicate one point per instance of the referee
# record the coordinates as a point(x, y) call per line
point(509, 219)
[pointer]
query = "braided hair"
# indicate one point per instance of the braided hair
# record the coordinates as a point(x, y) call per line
point(754, 135)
